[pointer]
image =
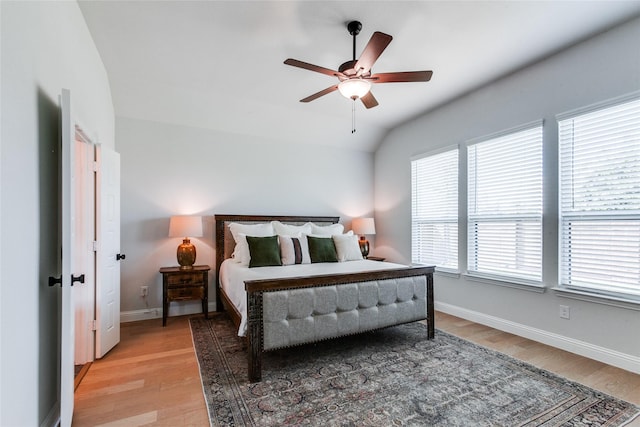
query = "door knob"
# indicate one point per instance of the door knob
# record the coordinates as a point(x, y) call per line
point(120, 256)
point(80, 279)
point(55, 281)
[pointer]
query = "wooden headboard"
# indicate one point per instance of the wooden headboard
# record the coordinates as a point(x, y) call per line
point(225, 243)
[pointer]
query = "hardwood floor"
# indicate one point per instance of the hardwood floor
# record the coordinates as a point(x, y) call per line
point(614, 381)
point(151, 377)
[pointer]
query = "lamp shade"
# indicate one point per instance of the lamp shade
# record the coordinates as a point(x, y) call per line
point(354, 88)
point(363, 226)
point(185, 226)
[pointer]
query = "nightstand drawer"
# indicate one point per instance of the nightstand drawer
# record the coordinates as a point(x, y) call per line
point(185, 293)
point(185, 279)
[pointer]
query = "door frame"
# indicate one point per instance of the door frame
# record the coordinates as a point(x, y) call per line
point(71, 134)
point(85, 295)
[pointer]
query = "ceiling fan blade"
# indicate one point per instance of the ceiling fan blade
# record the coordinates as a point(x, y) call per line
point(369, 100)
point(316, 68)
point(404, 76)
point(372, 51)
point(319, 94)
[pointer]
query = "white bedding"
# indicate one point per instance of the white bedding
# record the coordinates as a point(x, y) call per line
point(234, 274)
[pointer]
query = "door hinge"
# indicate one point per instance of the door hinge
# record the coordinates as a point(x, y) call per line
point(95, 166)
point(92, 325)
point(95, 246)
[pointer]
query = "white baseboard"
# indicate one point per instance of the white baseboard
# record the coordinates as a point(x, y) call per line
point(135, 315)
point(601, 354)
point(156, 312)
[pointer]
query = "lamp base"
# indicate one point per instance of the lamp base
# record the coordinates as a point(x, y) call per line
point(364, 246)
point(186, 255)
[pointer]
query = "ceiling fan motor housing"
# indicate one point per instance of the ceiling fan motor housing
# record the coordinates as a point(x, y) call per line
point(348, 69)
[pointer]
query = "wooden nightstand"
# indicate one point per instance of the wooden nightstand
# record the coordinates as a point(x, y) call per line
point(182, 285)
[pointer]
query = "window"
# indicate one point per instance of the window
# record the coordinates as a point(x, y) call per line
point(434, 210)
point(505, 206)
point(600, 199)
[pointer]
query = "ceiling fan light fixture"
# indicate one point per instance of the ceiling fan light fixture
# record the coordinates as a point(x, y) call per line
point(354, 88)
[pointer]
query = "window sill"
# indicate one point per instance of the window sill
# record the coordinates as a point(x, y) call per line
point(447, 273)
point(613, 301)
point(512, 283)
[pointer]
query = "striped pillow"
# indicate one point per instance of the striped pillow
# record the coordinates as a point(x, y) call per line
point(294, 250)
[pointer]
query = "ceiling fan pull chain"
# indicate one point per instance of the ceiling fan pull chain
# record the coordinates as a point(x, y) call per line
point(353, 116)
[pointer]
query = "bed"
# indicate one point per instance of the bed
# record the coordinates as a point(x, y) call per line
point(276, 307)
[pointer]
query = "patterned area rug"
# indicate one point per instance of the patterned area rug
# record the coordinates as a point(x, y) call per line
point(393, 377)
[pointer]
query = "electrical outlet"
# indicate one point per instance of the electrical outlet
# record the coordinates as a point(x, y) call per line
point(565, 312)
point(144, 291)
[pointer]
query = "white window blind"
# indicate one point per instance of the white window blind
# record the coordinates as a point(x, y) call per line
point(434, 210)
point(505, 206)
point(600, 200)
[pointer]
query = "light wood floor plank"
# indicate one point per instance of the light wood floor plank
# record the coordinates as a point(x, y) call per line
point(151, 377)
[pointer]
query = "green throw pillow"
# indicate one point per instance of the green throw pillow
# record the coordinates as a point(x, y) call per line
point(264, 251)
point(322, 249)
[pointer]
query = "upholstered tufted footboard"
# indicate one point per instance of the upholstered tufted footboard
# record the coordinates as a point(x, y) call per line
point(288, 312)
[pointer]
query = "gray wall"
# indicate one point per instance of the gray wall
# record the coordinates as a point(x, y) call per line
point(46, 46)
point(170, 170)
point(601, 68)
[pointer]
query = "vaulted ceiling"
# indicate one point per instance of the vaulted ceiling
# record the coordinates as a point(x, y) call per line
point(219, 64)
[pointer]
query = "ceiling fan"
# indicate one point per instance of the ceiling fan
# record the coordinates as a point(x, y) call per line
point(355, 76)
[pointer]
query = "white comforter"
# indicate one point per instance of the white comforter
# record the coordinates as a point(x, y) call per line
point(233, 276)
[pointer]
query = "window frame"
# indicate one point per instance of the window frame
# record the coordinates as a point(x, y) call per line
point(583, 216)
point(473, 217)
point(453, 219)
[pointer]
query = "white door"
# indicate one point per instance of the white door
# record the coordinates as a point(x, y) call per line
point(108, 256)
point(84, 295)
point(67, 333)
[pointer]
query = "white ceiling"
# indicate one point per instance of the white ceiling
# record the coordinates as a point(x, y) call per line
point(219, 64)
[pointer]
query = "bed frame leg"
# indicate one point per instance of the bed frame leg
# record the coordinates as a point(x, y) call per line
point(255, 364)
point(254, 335)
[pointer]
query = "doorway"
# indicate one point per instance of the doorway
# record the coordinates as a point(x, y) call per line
point(90, 246)
point(85, 256)
point(96, 303)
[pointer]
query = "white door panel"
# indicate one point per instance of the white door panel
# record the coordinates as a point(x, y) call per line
point(84, 295)
point(108, 256)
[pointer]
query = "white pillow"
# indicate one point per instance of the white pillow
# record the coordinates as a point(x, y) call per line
point(290, 230)
point(327, 230)
point(257, 230)
point(347, 247)
point(241, 252)
point(294, 250)
point(239, 233)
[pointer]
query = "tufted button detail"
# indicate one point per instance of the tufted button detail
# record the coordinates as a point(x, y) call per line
point(311, 314)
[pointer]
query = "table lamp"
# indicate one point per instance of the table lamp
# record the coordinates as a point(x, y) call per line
point(186, 226)
point(362, 226)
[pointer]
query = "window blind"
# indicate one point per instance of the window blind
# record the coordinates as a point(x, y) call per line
point(600, 199)
point(505, 206)
point(434, 210)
